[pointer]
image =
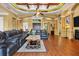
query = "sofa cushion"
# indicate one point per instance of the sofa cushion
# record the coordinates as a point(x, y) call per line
point(12, 40)
point(11, 48)
point(2, 37)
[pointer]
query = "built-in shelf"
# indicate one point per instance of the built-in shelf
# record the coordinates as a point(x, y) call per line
point(36, 21)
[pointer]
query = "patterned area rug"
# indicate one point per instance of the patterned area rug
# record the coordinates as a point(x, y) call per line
point(41, 49)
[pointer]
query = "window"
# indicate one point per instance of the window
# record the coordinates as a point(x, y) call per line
point(1, 24)
point(25, 26)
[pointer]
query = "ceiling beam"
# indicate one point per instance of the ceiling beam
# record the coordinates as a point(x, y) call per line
point(51, 4)
point(37, 3)
point(47, 6)
point(27, 6)
point(37, 6)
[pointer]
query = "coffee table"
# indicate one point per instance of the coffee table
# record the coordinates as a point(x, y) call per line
point(33, 42)
point(33, 37)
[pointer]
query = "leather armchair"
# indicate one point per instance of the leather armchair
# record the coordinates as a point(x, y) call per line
point(44, 34)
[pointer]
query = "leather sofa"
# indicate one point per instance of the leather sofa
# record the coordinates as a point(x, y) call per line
point(11, 41)
point(22, 38)
point(2, 44)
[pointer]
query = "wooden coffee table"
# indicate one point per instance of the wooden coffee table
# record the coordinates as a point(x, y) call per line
point(33, 37)
point(33, 42)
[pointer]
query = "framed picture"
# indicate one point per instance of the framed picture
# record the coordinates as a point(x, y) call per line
point(67, 20)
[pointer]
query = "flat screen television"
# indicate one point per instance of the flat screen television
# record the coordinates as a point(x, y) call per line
point(76, 21)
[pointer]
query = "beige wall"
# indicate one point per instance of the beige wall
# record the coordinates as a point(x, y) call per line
point(76, 11)
point(10, 20)
point(70, 13)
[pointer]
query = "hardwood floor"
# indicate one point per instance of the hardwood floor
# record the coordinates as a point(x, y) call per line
point(56, 46)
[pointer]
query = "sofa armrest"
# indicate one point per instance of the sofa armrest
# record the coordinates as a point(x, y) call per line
point(3, 46)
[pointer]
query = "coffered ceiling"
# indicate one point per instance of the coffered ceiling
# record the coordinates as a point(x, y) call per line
point(43, 7)
point(31, 9)
point(24, 8)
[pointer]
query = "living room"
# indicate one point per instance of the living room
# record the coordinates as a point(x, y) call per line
point(39, 29)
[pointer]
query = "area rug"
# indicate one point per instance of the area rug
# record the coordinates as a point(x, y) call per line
point(41, 49)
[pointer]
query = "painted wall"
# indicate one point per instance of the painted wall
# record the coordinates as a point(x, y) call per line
point(71, 14)
point(76, 11)
point(10, 20)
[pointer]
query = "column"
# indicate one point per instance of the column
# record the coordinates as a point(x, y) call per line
point(71, 26)
point(63, 28)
